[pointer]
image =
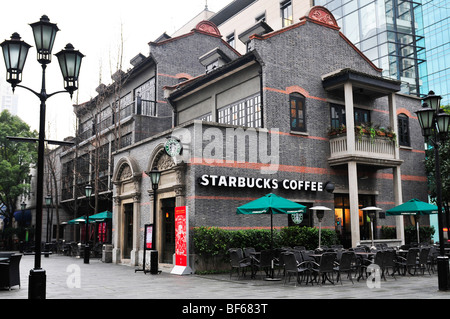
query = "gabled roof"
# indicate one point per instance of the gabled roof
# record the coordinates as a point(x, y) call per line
point(192, 85)
point(321, 16)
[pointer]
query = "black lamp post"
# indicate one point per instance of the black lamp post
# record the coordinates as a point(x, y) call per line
point(435, 128)
point(48, 202)
point(88, 191)
point(15, 53)
point(155, 176)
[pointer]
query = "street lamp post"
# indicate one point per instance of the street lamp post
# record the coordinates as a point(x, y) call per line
point(15, 53)
point(48, 202)
point(88, 191)
point(23, 205)
point(155, 176)
point(435, 128)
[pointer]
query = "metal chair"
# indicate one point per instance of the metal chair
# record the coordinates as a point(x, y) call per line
point(292, 266)
point(346, 265)
point(325, 267)
point(389, 259)
point(10, 272)
point(409, 262)
point(238, 263)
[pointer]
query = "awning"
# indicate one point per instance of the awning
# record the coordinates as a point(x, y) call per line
point(23, 216)
point(100, 217)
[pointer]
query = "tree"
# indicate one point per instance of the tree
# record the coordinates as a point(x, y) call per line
point(16, 159)
point(444, 160)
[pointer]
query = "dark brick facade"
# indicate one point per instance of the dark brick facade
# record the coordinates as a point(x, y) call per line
point(295, 59)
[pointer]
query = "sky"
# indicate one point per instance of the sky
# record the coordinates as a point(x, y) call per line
point(95, 28)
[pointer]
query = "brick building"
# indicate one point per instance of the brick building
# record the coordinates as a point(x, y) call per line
point(262, 122)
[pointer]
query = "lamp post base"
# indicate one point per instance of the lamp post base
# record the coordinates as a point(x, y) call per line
point(87, 252)
point(37, 284)
point(443, 272)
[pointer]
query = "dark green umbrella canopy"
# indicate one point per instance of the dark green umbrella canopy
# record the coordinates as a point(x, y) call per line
point(413, 207)
point(271, 204)
point(94, 218)
point(101, 216)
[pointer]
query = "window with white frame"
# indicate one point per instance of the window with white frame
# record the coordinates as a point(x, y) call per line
point(246, 112)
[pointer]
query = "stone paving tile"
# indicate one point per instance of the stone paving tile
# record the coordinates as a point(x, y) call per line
point(110, 281)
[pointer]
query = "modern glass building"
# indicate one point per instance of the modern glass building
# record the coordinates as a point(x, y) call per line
point(388, 32)
point(435, 74)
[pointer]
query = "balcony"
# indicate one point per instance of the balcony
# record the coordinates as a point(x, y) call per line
point(375, 151)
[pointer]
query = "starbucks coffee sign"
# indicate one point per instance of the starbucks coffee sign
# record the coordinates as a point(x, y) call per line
point(259, 182)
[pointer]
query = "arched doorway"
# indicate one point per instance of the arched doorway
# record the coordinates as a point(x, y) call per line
point(126, 211)
point(170, 193)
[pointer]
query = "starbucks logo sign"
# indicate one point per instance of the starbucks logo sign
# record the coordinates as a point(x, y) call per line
point(297, 218)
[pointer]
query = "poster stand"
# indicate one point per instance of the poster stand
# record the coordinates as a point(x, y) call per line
point(148, 229)
point(181, 242)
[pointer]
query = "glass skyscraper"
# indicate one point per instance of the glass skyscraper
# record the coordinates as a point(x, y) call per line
point(435, 74)
point(388, 32)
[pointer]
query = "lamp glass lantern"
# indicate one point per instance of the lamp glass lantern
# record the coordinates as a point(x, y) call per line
point(425, 116)
point(70, 62)
point(15, 54)
point(48, 200)
point(443, 124)
point(155, 176)
point(88, 190)
point(44, 37)
point(434, 101)
point(23, 205)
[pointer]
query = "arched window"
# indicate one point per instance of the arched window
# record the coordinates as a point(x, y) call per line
point(298, 112)
point(403, 130)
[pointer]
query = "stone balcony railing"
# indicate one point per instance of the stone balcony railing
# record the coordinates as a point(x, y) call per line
point(372, 151)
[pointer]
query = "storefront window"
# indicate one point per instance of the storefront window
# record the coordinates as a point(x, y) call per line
point(298, 112)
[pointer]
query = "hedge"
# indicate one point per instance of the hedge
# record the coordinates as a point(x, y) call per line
point(214, 241)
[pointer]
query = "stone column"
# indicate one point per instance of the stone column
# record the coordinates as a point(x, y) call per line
point(398, 196)
point(353, 199)
point(349, 117)
point(134, 255)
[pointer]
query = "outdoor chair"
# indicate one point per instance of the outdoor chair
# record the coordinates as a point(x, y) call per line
point(292, 266)
point(389, 259)
point(263, 261)
point(378, 260)
point(409, 262)
point(432, 258)
point(249, 251)
point(306, 255)
point(422, 262)
point(324, 268)
point(346, 265)
point(238, 262)
point(10, 272)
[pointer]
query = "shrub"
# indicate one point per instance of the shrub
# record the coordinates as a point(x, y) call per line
point(388, 232)
point(425, 234)
point(214, 241)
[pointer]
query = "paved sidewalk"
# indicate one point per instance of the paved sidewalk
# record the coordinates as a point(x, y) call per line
point(70, 278)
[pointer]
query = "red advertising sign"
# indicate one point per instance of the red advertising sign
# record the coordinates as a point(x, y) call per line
point(181, 236)
point(148, 238)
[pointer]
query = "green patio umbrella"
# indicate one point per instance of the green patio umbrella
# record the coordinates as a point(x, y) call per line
point(81, 219)
point(101, 216)
point(414, 207)
point(271, 204)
